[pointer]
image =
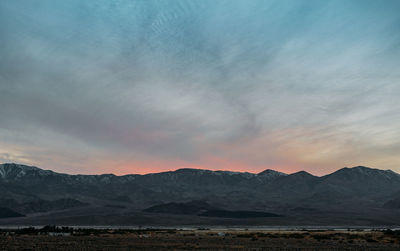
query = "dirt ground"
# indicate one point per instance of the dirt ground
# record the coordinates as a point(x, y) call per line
point(202, 240)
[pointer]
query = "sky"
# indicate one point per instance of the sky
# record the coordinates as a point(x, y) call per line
point(124, 86)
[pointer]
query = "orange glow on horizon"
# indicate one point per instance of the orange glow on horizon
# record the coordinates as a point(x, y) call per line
point(214, 164)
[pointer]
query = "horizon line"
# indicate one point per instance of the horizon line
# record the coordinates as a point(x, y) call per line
point(201, 169)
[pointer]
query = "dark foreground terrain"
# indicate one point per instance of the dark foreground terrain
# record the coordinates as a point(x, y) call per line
point(91, 239)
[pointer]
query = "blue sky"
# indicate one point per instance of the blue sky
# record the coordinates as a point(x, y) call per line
point(142, 86)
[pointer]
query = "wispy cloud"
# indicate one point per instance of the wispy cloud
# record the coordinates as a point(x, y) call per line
point(137, 86)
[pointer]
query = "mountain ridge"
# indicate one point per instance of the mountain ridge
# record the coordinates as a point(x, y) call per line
point(4, 166)
point(358, 191)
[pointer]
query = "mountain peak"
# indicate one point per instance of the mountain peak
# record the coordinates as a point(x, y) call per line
point(362, 171)
point(19, 166)
point(303, 174)
point(360, 168)
point(12, 170)
point(206, 171)
point(271, 173)
point(192, 170)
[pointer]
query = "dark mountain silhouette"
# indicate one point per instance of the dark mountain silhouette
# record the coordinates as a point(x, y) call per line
point(202, 208)
point(237, 214)
point(40, 205)
point(361, 195)
point(8, 213)
point(191, 208)
point(395, 203)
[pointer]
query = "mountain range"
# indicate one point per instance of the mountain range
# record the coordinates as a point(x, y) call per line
point(350, 196)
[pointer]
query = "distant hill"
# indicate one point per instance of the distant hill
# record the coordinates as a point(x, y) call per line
point(39, 205)
point(359, 194)
point(202, 208)
point(192, 208)
point(8, 213)
point(237, 214)
point(394, 202)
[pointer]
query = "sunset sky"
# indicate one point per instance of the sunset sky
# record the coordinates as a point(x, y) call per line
point(114, 86)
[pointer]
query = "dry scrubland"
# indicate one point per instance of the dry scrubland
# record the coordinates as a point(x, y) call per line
point(89, 239)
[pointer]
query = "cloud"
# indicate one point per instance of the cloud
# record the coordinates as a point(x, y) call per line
point(148, 86)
